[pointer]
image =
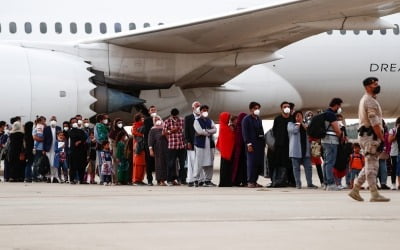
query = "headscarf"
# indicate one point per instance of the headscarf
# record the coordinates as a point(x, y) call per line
point(154, 122)
point(239, 145)
point(115, 130)
point(16, 127)
point(226, 137)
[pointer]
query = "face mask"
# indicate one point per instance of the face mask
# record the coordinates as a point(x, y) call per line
point(286, 110)
point(257, 112)
point(80, 122)
point(66, 128)
point(377, 90)
point(86, 124)
point(75, 125)
point(105, 121)
point(197, 110)
point(339, 110)
point(53, 123)
point(205, 114)
point(158, 122)
point(120, 125)
point(153, 114)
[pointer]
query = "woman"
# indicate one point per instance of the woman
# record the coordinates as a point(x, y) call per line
point(28, 139)
point(225, 145)
point(158, 147)
point(116, 129)
point(16, 153)
point(299, 149)
point(139, 161)
point(239, 167)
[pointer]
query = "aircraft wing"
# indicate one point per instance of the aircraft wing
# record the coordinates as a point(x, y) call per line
point(265, 28)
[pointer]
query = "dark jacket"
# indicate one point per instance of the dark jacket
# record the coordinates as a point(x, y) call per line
point(48, 137)
point(189, 129)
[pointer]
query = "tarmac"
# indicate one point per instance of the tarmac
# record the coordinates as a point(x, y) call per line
point(65, 216)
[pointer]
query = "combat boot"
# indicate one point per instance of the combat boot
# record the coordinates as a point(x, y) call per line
point(355, 193)
point(375, 196)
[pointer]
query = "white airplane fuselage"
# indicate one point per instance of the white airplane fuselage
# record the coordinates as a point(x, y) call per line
point(44, 71)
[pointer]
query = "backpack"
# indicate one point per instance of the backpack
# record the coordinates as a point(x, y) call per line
point(317, 128)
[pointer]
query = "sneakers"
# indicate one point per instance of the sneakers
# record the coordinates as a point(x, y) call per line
point(394, 187)
point(384, 187)
point(332, 187)
point(312, 186)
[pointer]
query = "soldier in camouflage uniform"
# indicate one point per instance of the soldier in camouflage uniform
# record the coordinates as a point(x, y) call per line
point(370, 138)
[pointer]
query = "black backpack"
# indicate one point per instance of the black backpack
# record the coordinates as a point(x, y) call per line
point(317, 128)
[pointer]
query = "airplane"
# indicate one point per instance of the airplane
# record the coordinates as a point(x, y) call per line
point(85, 57)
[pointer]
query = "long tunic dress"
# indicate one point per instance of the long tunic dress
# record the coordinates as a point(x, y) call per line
point(159, 144)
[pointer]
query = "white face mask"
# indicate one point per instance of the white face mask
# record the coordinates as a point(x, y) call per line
point(257, 112)
point(86, 124)
point(120, 125)
point(339, 110)
point(158, 122)
point(197, 111)
point(66, 128)
point(204, 114)
point(153, 114)
point(75, 125)
point(80, 122)
point(53, 123)
point(286, 110)
point(105, 121)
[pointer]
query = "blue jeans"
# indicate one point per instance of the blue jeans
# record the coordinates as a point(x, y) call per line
point(306, 161)
point(354, 173)
point(330, 152)
point(382, 172)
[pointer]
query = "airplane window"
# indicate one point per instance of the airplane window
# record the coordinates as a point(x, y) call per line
point(396, 29)
point(145, 25)
point(356, 32)
point(370, 32)
point(117, 27)
point(343, 32)
point(73, 28)
point(383, 31)
point(103, 28)
point(43, 28)
point(28, 28)
point(58, 27)
point(88, 28)
point(13, 27)
point(132, 26)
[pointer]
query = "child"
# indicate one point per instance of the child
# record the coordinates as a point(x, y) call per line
point(357, 162)
point(106, 163)
point(60, 156)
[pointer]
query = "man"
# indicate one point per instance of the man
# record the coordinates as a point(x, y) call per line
point(78, 152)
point(282, 173)
point(173, 129)
point(371, 140)
point(49, 138)
point(204, 147)
point(331, 141)
point(189, 139)
point(148, 124)
point(253, 137)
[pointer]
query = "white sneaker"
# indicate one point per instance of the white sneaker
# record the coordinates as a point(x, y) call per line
point(394, 187)
point(332, 187)
point(339, 187)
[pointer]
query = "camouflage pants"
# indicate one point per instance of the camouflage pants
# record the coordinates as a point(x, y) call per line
point(370, 170)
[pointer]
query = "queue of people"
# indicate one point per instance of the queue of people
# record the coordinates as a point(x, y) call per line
point(180, 150)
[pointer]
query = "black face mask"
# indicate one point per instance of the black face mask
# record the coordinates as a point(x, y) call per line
point(377, 90)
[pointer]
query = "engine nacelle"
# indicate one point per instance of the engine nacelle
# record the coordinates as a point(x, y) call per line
point(42, 82)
